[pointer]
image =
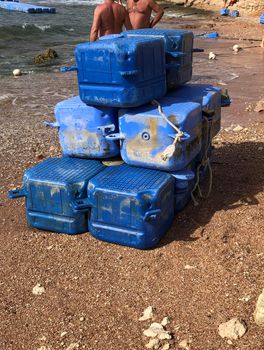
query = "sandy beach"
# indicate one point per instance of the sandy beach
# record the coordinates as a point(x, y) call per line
point(207, 269)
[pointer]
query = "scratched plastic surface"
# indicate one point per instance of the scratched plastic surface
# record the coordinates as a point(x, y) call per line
point(131, 206)
point(82, 129)
point(51, 187)
point(210, 99)
point(145, 134)
point(179, 55)
point(121, 72)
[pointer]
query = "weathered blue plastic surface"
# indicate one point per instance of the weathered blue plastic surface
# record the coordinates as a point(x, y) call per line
point(51, 189)
point(28, 8)
point(207, 95)
point(121, 72)
point(184, 183)
point(145, 134)
point(131, 206)
point(261, 18)
point(82, 129)
point(179, 52)
point(224, 12)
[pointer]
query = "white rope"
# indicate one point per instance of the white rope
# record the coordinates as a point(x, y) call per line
point(169, 150)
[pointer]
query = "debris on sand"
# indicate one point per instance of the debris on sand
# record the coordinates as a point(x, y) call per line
point(38, 289)
point(237, 48)
point(166, 346)
point(238, 128)
point(212, 56)
point(153, 344)
point(259, 106)
point(45, 56)
point(184, 344)
point(17, 72)
point(259, 310)
point(73, 346)
point(157, 330)
point(147, 314)
point(165, 321)
point(232, 329)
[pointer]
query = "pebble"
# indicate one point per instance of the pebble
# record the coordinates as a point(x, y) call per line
point(236, 48)
point(156, 329)
point(238, 128)
point(147, 314)
point(63, 334)
point(184, 344)
point(165, 321)
point(73, 346)
point(259, 310)
point(38, 289)
point(166, 346)
point(212, 56)
point(189, 267)
point(82, 318)
point(232, 329)
point(152, 344)
point(17, 72)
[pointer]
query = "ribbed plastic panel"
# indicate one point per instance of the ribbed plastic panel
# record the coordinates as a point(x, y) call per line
point(63, 170)
point(131, 179)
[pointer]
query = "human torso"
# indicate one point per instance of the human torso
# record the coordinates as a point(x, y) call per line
point(139, 13)
point(112, 19)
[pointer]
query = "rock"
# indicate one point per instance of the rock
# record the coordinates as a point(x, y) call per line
point(152, 344)
point(157, 330)
point(238, 128)
point(212, 56)
point(63, 334)
point(17, 72)
point(45, 56)
point(236, 48)
point(165, 321)
point(166, 346)
point(73, 346)
point(147, 314)
point(259, 106)
point(189, 267)
point(232, 329)
point(184, 344)
point(259, 310)
point(82, 318)
point(38, 289)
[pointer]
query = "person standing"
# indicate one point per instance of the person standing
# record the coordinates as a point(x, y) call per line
point(109, 18)
point(140, 13)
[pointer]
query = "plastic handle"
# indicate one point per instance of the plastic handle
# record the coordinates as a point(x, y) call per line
point(81, 205)
point(114, 137)
point(52, 125)
point(152, 215)
point(106, 129)
point(197, 50)
point(69, 69)
point(17, 193)
point(183, 138)
point(129, 73)
point(177, 54)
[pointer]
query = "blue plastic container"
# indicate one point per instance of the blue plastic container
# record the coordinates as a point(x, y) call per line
point(184, 183)
point(179, 52)
point(261, 18)
point(224, 12)
point(82, 129)
point(51, 189)
point(210, 99)
point(145, 135)
point(121, 72)
point(28, 8)
point(130, 206)
point(234, 13)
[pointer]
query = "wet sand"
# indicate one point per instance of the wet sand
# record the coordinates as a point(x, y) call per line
point(109, 285)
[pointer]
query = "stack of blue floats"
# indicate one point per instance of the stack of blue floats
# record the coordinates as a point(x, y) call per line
point(132, 204)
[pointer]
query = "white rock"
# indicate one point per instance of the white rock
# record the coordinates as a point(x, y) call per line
point(157, 330)
point(147, 314)
point(152, 344)
point(38, 289)
point(212, 56)
point(236, 48)
point(82, 318)
point(17, 72)
point(232, 329)
point(165, 321)
point(189, 267)
point(166, 346)
point(238, 128)
point(63, 334)
point(184, 344)
point(259, 310)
